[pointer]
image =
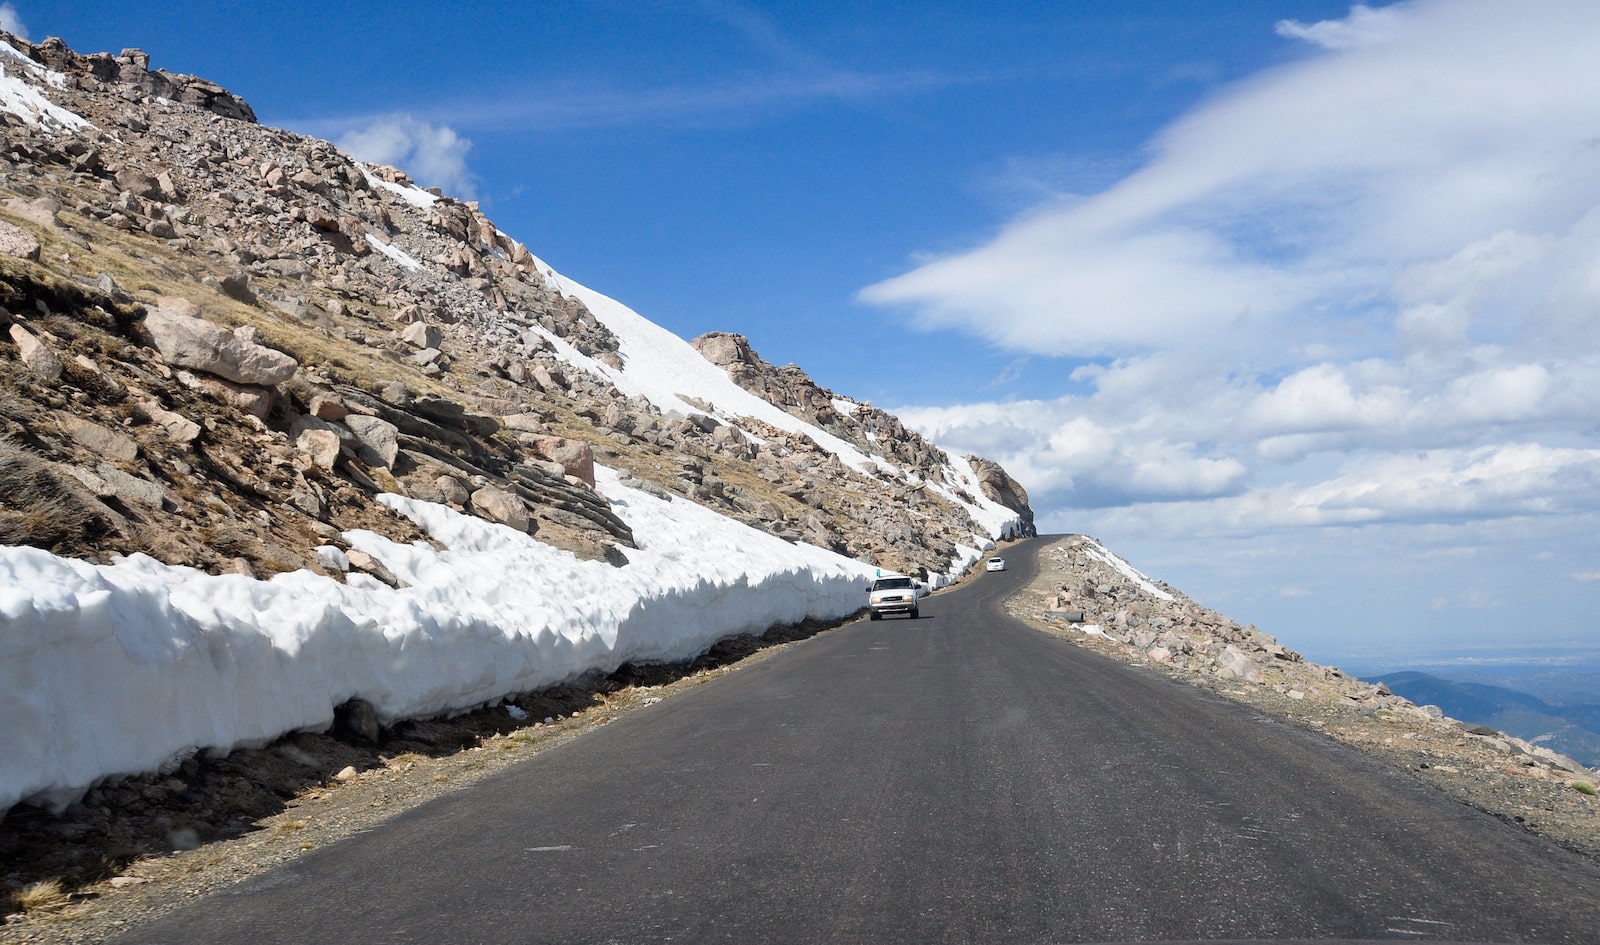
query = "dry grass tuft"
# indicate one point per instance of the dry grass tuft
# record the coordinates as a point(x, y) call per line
point(39, 506)
point(1585, 787)
point(43, 898)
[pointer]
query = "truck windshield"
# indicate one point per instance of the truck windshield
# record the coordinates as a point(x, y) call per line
point(890, 584)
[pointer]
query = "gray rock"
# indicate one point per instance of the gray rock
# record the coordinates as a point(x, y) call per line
point(236, 285)
point(204, 346)
point(15, 241)
point(44, 211)
point(139, 182)
point(377, 441)
point(327, 406)
point(103, 442)
point(455, 492)
point(35, 354)
point(323, 446)
point(253, 399)
point(422, 335)
point(130, 490)
point(367, 564)
point(497, 505)
point(179, 429)
point(524, 423)
point(1233, 662)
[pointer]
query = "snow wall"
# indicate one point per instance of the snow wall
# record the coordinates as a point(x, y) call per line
point(124, 668)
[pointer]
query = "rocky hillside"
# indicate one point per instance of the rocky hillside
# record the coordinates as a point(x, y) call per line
point(227, 339)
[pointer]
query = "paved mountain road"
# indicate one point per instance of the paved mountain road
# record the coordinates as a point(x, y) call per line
point(958, 778)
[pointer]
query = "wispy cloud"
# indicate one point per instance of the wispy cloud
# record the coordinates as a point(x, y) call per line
point(772, 74)
point(569, 105)
point(1364, 27)
point(1370, 267)
point(434, 155)
point(11, 21)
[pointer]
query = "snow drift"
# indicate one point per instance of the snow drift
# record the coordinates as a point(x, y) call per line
point(122, 668)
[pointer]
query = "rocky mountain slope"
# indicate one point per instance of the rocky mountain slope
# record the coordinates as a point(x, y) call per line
point(233, 349)
point(443, 358)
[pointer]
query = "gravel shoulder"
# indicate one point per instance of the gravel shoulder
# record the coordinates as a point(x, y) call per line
point(139, 847)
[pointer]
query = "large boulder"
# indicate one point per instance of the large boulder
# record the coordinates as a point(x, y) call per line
point(15, 241)
point(377, 440)
point(36, 355)
point(498, 505)
point(575, 456)
point(195, 343)
point(999, 487)
point(723, 348)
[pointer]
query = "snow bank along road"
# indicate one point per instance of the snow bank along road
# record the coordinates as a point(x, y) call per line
point(958, 778)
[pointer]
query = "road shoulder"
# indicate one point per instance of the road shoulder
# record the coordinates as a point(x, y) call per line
point(1157, 629)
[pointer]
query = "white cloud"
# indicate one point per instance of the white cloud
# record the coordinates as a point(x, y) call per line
point(432, 154)
point(11, 21)
point(1429, 152)
point(1360, 288)
point(1364, 27)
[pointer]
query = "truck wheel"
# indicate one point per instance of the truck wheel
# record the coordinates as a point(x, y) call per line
point(914, 613)
point(874, 615)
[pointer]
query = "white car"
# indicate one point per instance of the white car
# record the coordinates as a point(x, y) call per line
point(995, 564)
point(896, 594)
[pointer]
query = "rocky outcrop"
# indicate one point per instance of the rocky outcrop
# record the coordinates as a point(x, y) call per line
point(868, 428)
point(998, 485)
point(131, 69)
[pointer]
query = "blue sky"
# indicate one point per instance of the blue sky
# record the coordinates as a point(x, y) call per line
point(1293, 303)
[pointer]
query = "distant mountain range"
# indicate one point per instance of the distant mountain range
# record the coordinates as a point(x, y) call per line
point(1573, 730)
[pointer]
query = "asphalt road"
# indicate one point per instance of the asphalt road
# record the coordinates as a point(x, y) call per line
point(958, 778)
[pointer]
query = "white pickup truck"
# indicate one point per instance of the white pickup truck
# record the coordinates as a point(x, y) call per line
point(895, 594)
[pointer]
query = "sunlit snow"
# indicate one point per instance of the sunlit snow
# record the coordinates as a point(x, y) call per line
point(107, 669)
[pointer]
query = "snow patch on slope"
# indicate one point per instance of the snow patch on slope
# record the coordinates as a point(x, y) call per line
point(394, 252)
point(23, 100)
point(669, 372)
point(666, 370)
point(1102, 554)
point(1000, 521)
point(413, 195)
